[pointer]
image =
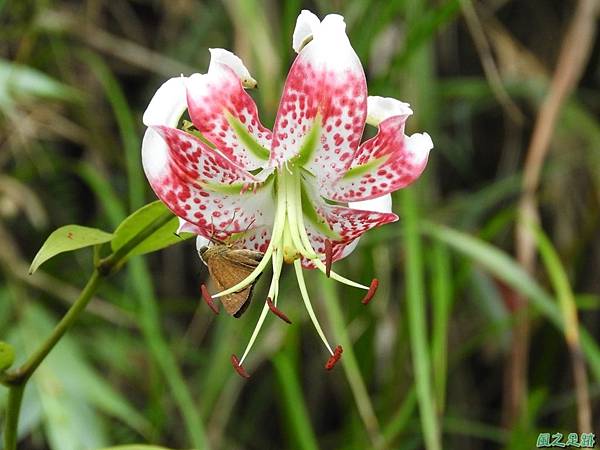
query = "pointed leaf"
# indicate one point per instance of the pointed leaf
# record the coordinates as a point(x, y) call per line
point(66, 239)
point(163, 237)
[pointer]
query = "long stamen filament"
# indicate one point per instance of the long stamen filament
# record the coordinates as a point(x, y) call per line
point(296, 218)
point(315, 259)
point(259, 324)
point(278, 227)
point(278, 263)
point(308, 305)
point(277, 266)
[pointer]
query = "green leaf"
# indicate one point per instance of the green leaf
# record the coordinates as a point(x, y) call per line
point(163, 237)
point(67, 239)
point(17, 81)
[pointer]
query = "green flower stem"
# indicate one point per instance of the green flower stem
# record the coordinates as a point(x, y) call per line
point(17, 379)
point(15, 397)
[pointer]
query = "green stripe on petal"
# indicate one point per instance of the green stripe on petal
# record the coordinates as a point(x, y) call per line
point(237, 188)
point(230, 189)
point(314, 218)
point(365, 168)
point(246, 138)
point(188, 127)
point(311, 141)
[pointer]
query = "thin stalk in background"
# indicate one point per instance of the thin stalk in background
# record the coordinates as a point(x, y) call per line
point(441, 292)
point(350, 364)
point(576, 48)
point(303, 437)
point(417, 323)
point(566, 302)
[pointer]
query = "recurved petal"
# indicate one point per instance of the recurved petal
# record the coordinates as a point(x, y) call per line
point(343, 226)
point(168, 103)
point(222, 56)
point(381, 108)
point(187, 227)
point(201, 186)
point(324, 104)
point(226, 115)
point(348, 224)
point(383, 164)
point(381, 204)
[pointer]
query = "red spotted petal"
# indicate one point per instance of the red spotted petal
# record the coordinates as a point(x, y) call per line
point(383, 164)
point(339, 249)
point(256, 239)
point(185, 174)
point(348, 223)
point(326, 93)
point(213, 99)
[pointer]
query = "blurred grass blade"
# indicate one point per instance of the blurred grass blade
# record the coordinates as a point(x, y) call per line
point(417, 322)
point(350, 363)
point(442, 291)
point(20, 81)
point(292, 400)
point(506, 269)
point(127, 126)
point(115, 210)
point(400, 420)
point(568, 308)
point(136, 447)
point(420, 32)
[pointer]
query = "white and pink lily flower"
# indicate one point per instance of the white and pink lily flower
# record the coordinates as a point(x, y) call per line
point(303, 193)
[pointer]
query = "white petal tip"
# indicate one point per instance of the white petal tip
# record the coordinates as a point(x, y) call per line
point(222, 56)
point(381, 204)
point(167, 104)
point(381, 108)
point(306, 24)
point(419, 144)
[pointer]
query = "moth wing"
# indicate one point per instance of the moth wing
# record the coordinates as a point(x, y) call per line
point(243, 257)
point(225, 277)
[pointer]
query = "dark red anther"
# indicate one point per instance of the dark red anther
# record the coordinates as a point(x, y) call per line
point(238, 367)
point(371, 291)
point(277, 311)
point(333, 359)
point(208, 299)
point(328, 257)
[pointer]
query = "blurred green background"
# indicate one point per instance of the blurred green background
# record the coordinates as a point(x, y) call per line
point(462, 348)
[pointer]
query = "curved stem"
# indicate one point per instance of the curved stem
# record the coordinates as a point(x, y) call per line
point(17, 379)
point(23, 373)
point(15, 397)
